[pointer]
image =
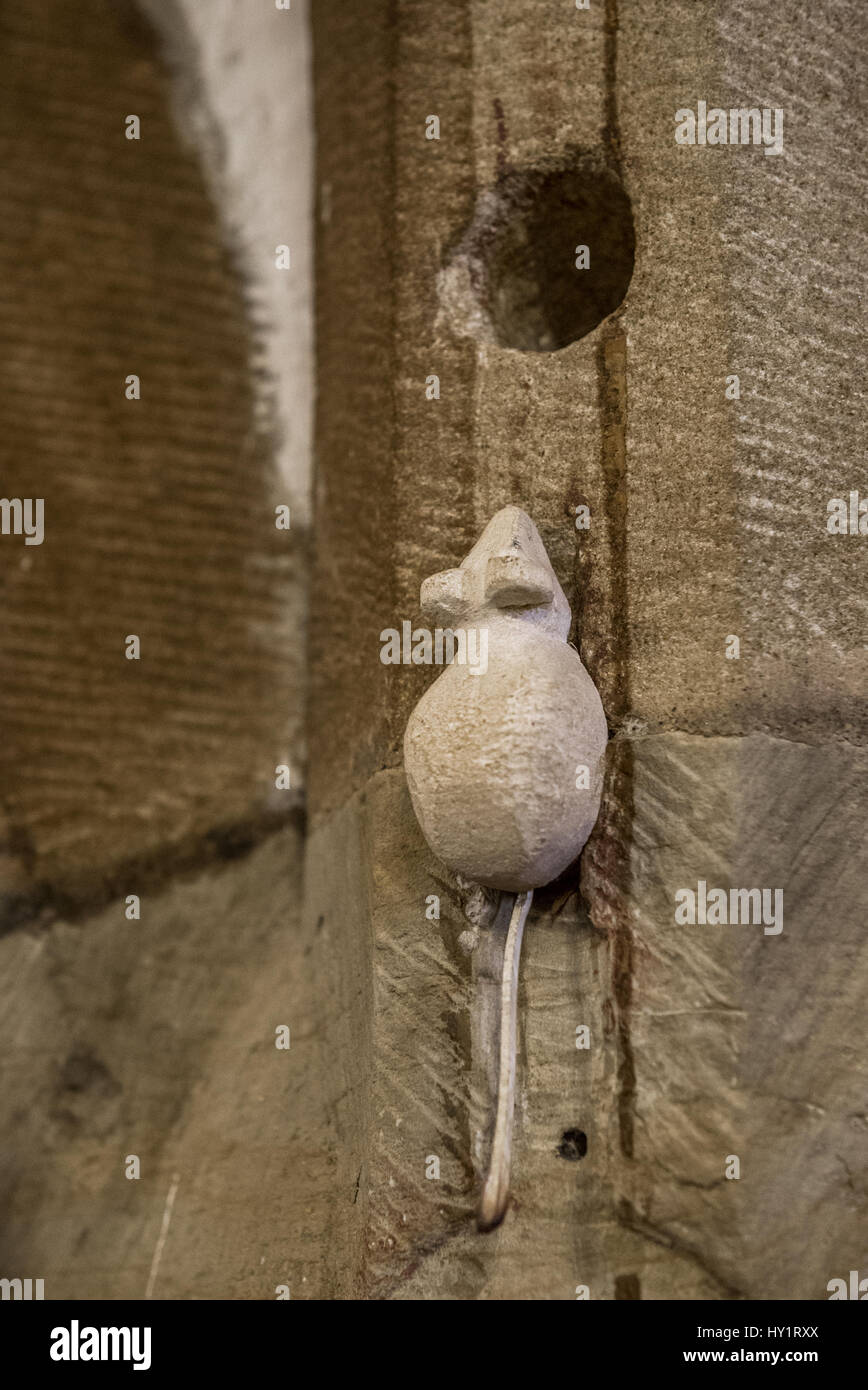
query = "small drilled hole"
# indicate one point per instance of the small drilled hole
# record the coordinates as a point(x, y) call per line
point(573, 1145)
point(513, 278)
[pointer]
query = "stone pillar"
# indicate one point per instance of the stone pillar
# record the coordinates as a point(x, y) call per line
point(708, 516)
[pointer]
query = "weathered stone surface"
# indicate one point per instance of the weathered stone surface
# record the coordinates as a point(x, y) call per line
point(733, 1041)
point(157, 1038)
point(159, 512)
point(728, 1042)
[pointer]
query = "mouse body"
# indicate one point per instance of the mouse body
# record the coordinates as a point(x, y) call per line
point(504, 755)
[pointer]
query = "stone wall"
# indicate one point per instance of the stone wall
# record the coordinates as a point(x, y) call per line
point(605, 397)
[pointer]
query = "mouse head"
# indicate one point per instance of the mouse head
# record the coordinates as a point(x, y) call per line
point(507, 570)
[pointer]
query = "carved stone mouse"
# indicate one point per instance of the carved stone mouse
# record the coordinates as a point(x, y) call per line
point(503, 756)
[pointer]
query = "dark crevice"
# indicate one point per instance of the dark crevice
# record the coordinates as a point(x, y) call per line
point(612, 379)
point(611, 124)
point(612, 397)
point(573, 1145)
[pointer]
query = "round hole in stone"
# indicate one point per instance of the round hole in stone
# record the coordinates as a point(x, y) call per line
point(513, 277)
point(573, 1145)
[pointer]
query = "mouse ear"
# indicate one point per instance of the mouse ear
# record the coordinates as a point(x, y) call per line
point(443, 597)
point(514, 581)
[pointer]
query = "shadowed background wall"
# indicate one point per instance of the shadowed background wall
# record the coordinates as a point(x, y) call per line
point(152, 1037)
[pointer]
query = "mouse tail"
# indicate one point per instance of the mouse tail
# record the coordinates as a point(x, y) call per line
point(495, 1192)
